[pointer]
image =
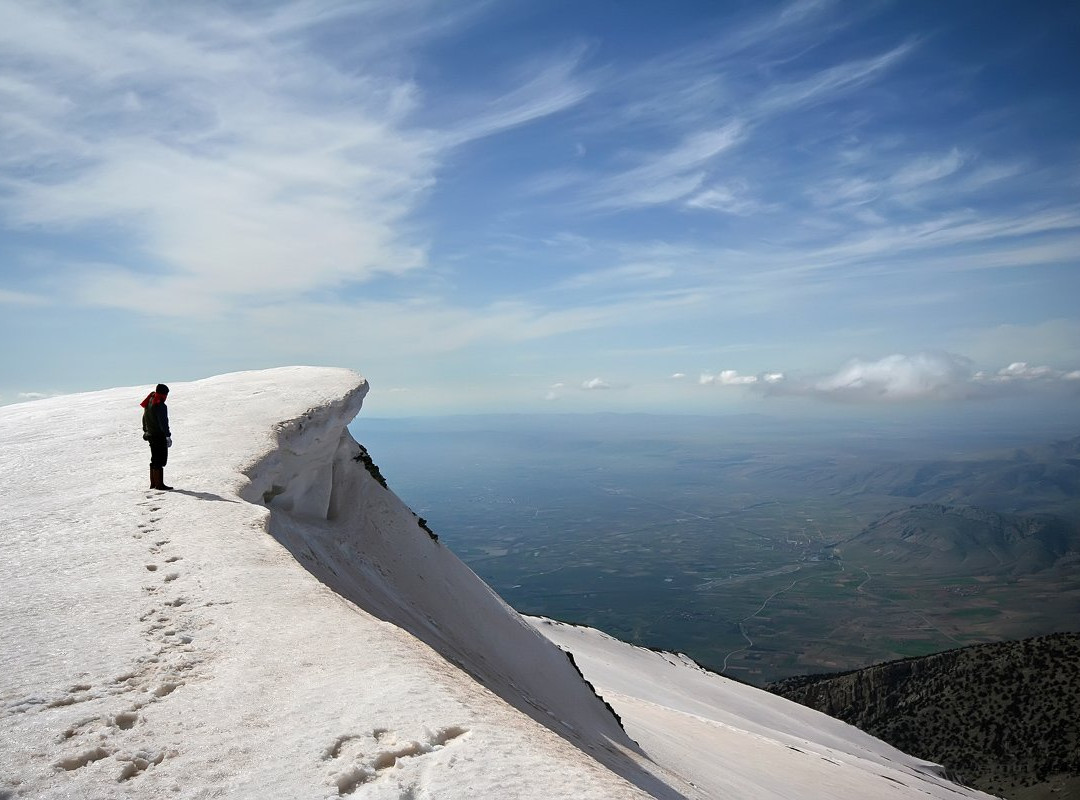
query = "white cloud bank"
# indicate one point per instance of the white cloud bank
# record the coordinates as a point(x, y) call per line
point(1021, 371)
point(730, 377)
point(902, 378)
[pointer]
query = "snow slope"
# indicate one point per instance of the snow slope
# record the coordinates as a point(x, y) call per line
point(281, 626)
point(763, 746)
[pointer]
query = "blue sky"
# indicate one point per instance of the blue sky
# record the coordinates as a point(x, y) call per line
point(535, 205)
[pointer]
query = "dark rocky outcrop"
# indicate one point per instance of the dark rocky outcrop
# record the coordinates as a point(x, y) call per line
point(1003, 717)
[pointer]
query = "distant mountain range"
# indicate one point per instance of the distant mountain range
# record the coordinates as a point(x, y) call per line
point(1004, 717)
point(1044, 478)
point(964, 540)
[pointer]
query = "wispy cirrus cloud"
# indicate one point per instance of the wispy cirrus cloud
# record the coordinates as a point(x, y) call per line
point(667, 176)
point(708, 101)
point(688, 88)
point(829, 83)
point(420, 328)
point(237, 159)
point(928, 169)
point(632, 273)
point(745, 278)
point(9, 298)
point(904, 178)
point(731, 198)
point(682, 173)
point(935, 245)
point(193, 139)
point(545, 88)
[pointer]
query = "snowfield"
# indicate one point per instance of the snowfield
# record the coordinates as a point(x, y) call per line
point(281, 626)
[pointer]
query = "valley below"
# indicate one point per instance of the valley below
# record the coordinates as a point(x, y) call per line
point(759, 559)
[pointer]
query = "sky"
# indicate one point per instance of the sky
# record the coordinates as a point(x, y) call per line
point(548, 205)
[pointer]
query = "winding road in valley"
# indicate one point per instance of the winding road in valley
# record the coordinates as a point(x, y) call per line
point(744, 620)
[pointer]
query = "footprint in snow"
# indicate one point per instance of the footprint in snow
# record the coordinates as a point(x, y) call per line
point(368, 758)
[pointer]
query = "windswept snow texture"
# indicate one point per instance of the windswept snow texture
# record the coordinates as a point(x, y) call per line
point(162, 644)
point(281, 626)
point(735, 740)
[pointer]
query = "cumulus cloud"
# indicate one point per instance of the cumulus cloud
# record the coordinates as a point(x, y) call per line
point(554, 392)
point(900, 377)
point(595, 383)
point(727, 377)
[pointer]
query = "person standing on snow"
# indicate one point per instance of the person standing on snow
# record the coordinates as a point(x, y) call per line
point(155, 425)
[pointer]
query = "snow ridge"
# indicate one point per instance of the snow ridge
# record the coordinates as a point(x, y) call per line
point(361, 541)
point(163, 645)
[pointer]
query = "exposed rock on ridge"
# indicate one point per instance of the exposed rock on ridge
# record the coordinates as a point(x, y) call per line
point(1002, 716)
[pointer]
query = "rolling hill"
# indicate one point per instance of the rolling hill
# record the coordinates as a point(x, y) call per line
point(963, 540)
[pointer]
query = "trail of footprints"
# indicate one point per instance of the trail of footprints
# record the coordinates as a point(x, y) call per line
point(357, 759)
point(364, 759)
point(172, 662)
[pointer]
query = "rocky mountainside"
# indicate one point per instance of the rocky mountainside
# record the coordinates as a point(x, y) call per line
point(1036, 479)
point(940, 539)
point(1042, 478)
point(1004, 717)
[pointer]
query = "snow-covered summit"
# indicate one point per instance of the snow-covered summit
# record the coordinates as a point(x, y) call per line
point(282, 626)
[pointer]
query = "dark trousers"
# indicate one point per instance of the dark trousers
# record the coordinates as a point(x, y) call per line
point(159, 452)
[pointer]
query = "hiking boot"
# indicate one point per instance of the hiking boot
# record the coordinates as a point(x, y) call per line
point(157, 479)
